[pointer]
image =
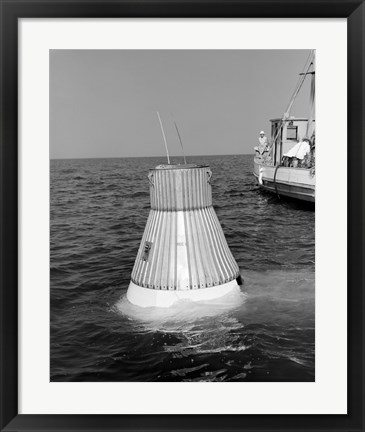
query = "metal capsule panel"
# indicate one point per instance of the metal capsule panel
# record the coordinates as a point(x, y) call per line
point(183, 250)
point(183, 246)
point(180, 189)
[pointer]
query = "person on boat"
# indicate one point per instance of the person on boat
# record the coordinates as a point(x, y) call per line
point(310, 158)
point(306, 162)
point(263, 142)
point(313, 158)
point(313, 154)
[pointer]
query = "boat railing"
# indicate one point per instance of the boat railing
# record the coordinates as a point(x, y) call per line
point(263, 157)
point(292, 162)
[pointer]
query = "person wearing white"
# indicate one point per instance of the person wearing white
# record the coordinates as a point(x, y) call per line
point(263, 142)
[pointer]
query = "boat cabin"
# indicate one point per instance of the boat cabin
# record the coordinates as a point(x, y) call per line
point(285, 134)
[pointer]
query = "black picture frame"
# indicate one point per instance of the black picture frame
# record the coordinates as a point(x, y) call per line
point(11, 11)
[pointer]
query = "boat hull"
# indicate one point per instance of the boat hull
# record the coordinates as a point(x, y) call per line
point(297, 183)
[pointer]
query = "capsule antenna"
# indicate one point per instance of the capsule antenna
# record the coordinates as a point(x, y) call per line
point(182, 147)
point(164, 138)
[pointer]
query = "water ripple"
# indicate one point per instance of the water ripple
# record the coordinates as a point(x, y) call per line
point(265, 332)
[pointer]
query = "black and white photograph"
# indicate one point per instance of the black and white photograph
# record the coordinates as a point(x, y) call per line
point(182, 215)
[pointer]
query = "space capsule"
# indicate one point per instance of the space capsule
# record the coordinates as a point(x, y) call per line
point(183, 253)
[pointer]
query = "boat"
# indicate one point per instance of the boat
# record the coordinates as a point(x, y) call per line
point(285, 165)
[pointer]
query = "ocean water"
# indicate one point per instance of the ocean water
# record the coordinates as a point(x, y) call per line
point(263, 332)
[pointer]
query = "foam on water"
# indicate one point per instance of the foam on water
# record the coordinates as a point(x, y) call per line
point(182, 312)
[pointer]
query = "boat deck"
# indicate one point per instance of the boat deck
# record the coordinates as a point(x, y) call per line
point(298, 183)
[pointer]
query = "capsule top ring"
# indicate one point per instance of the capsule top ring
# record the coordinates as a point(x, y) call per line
point(178, 166)
point(180, 187)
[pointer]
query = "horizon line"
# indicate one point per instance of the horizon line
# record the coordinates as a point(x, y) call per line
point(140, 157)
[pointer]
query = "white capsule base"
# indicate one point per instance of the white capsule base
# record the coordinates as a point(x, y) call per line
point(147, 297)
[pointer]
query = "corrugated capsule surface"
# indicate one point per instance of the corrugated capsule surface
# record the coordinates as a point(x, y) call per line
point(183, 246)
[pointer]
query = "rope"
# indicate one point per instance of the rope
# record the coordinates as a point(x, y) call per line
point(294, 95)
point(312, 106)
point(301, 80)
point(276, 186)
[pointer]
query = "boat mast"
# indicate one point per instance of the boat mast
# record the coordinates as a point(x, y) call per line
point(299, 86)
point(308, 64)
point(311, 125)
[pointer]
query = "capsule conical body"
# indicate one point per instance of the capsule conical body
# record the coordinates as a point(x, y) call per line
point(183, 253)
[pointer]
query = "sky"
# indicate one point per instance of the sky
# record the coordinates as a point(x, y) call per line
point(104, 103)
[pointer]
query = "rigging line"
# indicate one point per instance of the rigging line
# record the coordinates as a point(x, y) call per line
point(310, 123)
point(275, 184)
point(300, 82)
point(299, 86)
point(182, 147)
point(309, 59)
point(164, 138)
